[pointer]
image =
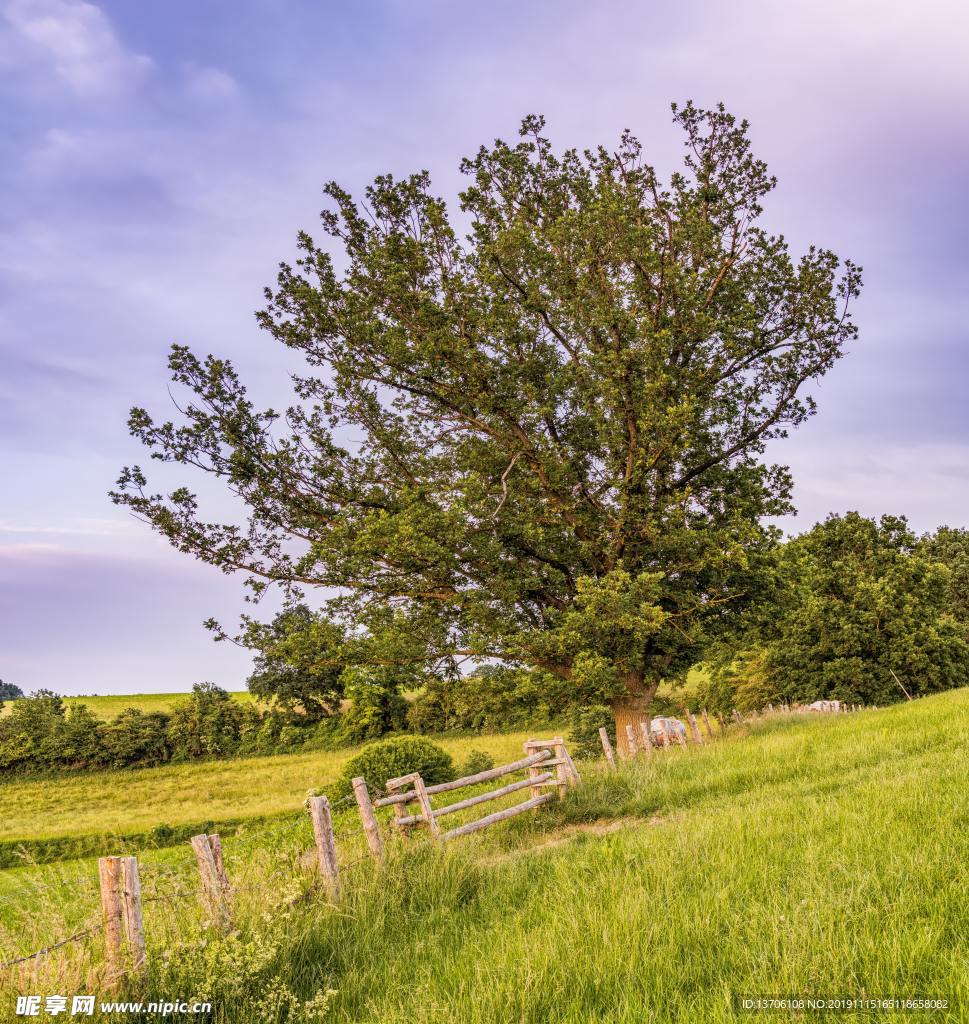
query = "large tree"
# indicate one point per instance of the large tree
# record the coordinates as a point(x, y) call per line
point(866, 616)
point(540, 442)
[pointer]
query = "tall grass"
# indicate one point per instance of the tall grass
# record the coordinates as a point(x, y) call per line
point(822, 856)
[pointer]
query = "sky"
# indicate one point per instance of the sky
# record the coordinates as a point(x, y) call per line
point(158, 159)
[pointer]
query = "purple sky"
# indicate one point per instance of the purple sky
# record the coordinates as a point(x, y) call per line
point(157, 160)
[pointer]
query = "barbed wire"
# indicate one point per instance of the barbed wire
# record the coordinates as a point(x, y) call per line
point(76, 937)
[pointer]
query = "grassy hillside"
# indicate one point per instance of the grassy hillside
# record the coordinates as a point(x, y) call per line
point(814, 856)
point(108, 706)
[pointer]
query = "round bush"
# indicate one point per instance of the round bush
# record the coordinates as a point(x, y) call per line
point(388, 759)
point(477, 761)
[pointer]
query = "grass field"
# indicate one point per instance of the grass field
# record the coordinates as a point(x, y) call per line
point(802, 856)
point(108, 706)
point(141, 798)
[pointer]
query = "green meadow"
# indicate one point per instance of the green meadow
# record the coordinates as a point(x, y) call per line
point(797, 857)
point(109, 706)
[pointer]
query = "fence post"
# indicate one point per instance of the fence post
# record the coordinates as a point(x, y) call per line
point(722, 721)
point(131, 911)
point(108, 873)
point(647, 742)
point(371, 828)
point(573, 771)
point(215, 885)
point(607, 747)
point(738, 717)
point(425, 802)
point(562, 769)
point(325, 844)
point(694, 729)
point(706, 723)
point(631, 741)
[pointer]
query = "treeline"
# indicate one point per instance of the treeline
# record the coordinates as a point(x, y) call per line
point(41, 733)
point(860, 610)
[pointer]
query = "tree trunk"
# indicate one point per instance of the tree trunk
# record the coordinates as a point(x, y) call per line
point(631, 709)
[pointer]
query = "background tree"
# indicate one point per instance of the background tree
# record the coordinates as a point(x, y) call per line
point(866, 613)
point(950, 546)
point(541, 443)
point(10, 692)
point(296, 666)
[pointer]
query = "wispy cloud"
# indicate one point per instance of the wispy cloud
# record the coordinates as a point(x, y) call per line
point(76, 42)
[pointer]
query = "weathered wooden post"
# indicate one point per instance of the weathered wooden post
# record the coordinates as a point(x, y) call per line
point(121, 907)
point(109, 870)
point(215, 885)
point(534, 772)
point(647, 742)
point(694, 729)
point(607, 747)
point(325, 844)
point(131, 912)
point(420, 794)
point(573, 771)
point(562, 772)
point(738, 717)
point(706, 723)
point(631, 746)
point(371, 828)
point(722, 721)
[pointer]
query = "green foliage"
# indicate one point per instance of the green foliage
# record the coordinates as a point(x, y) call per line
point(740, 681)
point(560, 412)
point(866, 612)
point(584, 741)
point(9, 692)
point(297, 666)
point(134, 737)
point(391, 758)
point(375, 705)
point(208, 724)
point(476, 761)
point(490, 698)
point(950, 546)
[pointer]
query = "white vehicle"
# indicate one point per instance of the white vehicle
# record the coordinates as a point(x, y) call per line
point(825, 705)
point(674, 725)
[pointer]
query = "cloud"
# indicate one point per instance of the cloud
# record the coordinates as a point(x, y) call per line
point(76, 41)
point(209, 84)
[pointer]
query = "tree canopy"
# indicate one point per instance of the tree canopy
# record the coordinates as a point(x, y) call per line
point(541, 442)
point(868, 616)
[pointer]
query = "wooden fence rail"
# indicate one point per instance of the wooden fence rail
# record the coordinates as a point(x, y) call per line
point(547, 762)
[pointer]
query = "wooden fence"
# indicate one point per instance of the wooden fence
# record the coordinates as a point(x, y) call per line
point(547, 766)
point(646, 739)
point(538, 762)
point(548, 773)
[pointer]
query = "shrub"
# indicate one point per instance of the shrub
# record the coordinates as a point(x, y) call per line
point(208, 724)
point(489, 699)
point(375, 707)
point(585, 725)
point(134, 738)
point(476, 761)
point(388, 759)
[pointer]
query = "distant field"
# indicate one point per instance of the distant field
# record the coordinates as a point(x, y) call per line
point(141, 798)
point(109, 705)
